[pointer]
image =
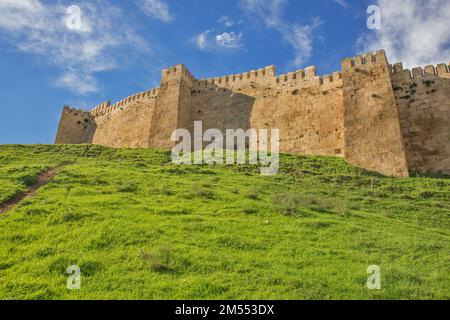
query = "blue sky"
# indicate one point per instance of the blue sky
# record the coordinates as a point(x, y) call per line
point(120, 47)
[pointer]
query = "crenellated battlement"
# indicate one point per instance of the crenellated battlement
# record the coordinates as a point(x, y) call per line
point(267, 76)
point(308, 74)
point(106, 107)
point(72, 110)
point(441, 70)
point(177, 72)
point(263, 75)
point(367, 59)
point(101, 108)
point(308, 77)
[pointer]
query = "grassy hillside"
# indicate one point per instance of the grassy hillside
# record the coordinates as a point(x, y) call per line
point(140, 227)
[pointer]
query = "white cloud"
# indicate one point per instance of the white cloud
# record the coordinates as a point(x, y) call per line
point(202, 40)
point(219, 40)
point(342, 3)
point(210, 40)
point(417, 33)
point(158, 9)
point(101, 44)
point(269, 11)
point(78, 82)
point(226, 21)
point(229, 40)
point(299, 36)
point(18, 14)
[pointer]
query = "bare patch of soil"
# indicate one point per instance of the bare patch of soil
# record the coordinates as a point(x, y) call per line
point(44, 178)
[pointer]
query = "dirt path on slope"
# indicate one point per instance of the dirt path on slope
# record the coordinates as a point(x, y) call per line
point(43, 178)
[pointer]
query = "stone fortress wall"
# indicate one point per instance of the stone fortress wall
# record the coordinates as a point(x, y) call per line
point(377, 116)
point(423, 102)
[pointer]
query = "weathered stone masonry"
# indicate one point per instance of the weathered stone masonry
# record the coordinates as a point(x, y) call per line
point(377, 116)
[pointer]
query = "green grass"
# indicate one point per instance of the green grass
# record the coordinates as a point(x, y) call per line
point(141, 228)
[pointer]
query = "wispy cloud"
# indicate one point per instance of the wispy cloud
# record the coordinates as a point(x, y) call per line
point(78, 82)
point(299, 36)
point(226, 21)
point(342, 3)
point(103, 42)
point(158, 9)
point(417, 33)
point(202, 40)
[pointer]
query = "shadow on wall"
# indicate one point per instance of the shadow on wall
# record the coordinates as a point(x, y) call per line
point(424, 110)
point(76, 127)
point(221, 108)
point(91, 131)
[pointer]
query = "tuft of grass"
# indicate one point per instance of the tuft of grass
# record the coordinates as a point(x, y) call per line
point(204, 193)
point(427, 194)
point(159, 262)
point(164, 260)
point(28, 180)
point(167, 191)
point(250, 210)
point(90, 268)
point(293, 203)
point(45, 252)
point(99, 181)
point(287, 204)
point(252, 194)
point(126, 187)
point(36, 211)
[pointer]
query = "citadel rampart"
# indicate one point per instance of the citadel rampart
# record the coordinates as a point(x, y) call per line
point(379, 117)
